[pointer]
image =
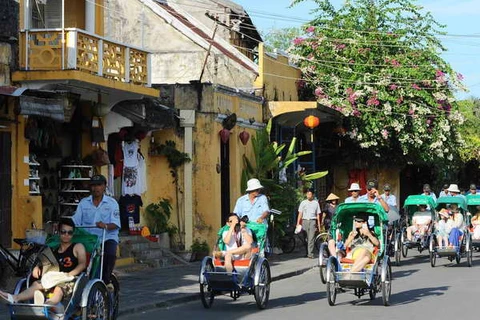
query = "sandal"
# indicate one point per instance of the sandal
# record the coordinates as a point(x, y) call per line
point(6, 298)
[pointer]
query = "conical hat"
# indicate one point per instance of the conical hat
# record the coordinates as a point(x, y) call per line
point(331, 197)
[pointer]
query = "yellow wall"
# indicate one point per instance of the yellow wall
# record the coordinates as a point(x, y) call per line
point(277, 77)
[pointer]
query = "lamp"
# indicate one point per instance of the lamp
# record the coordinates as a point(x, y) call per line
point(244, 136)
point(224, 135)
point(311, 122)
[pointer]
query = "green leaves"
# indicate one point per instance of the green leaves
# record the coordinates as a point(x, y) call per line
point(378, 62)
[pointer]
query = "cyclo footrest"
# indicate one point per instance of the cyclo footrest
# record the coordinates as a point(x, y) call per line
point(223, 281)
point(24, 311)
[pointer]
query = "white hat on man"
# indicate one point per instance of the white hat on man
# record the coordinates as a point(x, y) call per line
point(453, 188)
point(354, 187)
point(253, 184)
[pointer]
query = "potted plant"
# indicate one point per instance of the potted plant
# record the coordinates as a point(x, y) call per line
point(157, 217)
point(199, 249)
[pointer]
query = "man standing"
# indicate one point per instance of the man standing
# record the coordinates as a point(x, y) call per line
point(389, 198)
point(427, 191)
point(444, 191)
point(473, 189)
point(309, 214)
point(355, 193)
point(373, 195)
point(253, 204)
point(103, 212)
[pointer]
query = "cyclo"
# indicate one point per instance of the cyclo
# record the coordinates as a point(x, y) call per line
point(465, 248)
point(376, 276)
point(249, 276)
point(90, 298)
point(473, 205)
point(421, 239)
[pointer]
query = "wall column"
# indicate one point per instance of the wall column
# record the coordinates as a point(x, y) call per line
point(90, 16)
point(187, 120)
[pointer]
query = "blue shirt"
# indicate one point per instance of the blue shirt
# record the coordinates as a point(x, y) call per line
point(350, 199)
point(364, 198)
point(391, 200)
point(88, 215)
point(254, 210)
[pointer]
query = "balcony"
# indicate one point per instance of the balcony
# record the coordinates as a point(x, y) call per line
point(44, 50)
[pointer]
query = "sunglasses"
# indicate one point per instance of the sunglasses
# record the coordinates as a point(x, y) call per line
point(69, 232)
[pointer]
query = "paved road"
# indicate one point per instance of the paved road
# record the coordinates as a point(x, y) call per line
point(448, 291)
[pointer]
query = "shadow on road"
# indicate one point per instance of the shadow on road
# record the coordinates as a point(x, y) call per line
point(415, 295)
point(403, 273)
point(296, 300)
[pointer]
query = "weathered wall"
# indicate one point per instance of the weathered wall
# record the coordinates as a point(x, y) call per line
point(277, 77)
point(176, 58)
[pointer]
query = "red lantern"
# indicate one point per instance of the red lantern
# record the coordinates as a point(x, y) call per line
point(311, 122)
point(244, 136)
point(224, 135)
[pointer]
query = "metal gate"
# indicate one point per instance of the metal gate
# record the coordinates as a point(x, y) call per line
point(5, 189)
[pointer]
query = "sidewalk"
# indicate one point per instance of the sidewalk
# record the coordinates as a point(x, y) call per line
point(156, 288)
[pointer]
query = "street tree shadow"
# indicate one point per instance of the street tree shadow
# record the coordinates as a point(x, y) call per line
point(296, 300)
point(414, 295)
point(403, 273)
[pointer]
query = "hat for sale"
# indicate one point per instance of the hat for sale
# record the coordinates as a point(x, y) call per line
point(354, 187)
point(372, 183)
point(98, 179)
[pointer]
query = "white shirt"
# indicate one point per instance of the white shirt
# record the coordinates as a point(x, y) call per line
point(422, 217)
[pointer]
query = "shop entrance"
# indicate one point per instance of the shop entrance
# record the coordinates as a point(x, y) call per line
point(5, 189)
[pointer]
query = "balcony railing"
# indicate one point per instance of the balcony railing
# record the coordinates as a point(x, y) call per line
point(42, 49)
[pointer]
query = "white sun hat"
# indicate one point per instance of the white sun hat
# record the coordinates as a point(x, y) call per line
point(453, 188)
point(253, 184)
point(354, 187)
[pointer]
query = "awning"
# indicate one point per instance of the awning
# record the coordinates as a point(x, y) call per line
point(12, 91)
point(148, 113)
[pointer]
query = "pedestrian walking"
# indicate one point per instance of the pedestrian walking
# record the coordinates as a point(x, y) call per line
point(309, 215)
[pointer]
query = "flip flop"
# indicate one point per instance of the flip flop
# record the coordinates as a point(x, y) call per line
point(7, 298)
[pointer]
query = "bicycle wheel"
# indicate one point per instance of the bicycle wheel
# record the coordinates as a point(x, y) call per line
point(28, 259)
point(287, 244)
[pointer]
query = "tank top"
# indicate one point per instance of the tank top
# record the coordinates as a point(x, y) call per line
point(66, 260)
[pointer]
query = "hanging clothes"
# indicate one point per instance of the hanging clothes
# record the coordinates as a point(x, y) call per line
point(130, 207)
point(134, 176)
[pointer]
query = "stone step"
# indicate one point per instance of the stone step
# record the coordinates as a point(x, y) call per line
point(157, 262)
point(148, 254)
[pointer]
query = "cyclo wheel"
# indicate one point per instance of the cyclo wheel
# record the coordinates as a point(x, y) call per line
point(262, 289)
point(469, 249)
point(206, 293)
point(322, 262)
point(387, 285)
point(404, 247)
point(398, 246)
point(433, 254)
point(331, 284)
point(98, 304)
point(319, 239)
point(115, 296)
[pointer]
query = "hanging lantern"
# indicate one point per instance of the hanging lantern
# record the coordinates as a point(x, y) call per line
point(224, 135)
point(244, 136)
point(311, 122)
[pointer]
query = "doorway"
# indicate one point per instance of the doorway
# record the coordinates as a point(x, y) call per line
point(5, 189)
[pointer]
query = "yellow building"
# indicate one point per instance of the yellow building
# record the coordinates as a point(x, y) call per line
point(68, 79)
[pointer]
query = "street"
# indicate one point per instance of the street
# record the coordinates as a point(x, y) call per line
point(444, 292)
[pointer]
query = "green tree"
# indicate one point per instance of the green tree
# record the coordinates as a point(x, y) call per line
point(281, 39)
point(378, 62)
point(470, 108)
point(269, 158)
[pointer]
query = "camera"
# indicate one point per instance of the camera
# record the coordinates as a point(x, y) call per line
point(238, 226)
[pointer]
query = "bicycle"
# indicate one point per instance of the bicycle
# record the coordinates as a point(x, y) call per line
point(19, 266)
point(288, 241)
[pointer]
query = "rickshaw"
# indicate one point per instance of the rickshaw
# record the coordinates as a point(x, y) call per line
point(90, 298)
point(250, 276)
point(451, 252)
point(419, 241)
point(377, 274)
point(473, 206)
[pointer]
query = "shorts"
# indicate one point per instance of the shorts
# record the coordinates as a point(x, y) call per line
point(353, 254)
point(67, 290)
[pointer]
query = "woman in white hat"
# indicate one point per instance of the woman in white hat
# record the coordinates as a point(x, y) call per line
point(355, 193)
point(253, 204)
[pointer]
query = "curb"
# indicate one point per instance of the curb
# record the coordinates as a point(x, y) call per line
point(196, 296)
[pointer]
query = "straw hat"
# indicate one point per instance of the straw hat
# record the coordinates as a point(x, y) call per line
point(331, 197)
point(443, 213)
point(253, 184)
point(453, 188)
point(354, 187)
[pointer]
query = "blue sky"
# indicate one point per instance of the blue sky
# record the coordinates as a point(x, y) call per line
point(461, 17)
